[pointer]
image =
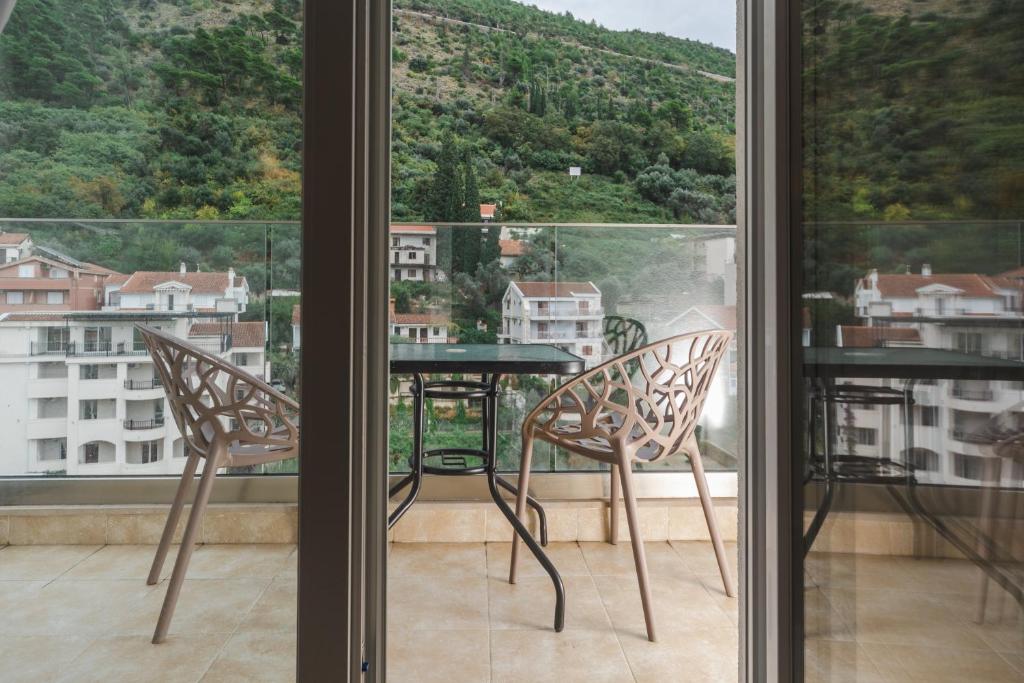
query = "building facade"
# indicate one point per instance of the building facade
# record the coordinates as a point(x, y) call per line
point(568, 315)
point(413, 253)
point(14, 246)
point(37, 283)
point(966, 312)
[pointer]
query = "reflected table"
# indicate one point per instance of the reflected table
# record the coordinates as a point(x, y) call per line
point(822, 366)
point(489, 362)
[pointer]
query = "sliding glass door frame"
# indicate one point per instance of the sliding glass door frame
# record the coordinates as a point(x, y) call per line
point(768, 153)
point(343, 470)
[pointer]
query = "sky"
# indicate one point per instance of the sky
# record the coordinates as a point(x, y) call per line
point(709, 21)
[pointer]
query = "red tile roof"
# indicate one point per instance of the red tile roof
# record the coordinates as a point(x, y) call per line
point(488, 210)
point(512, 247)
point(906, 286)
point(428, 229)
point(418, 319)
point(867, 337)
point(297, 314)
point(556, 289)
point(201, 283)
point(12, 237)
point(116, 279)
point(248, 334)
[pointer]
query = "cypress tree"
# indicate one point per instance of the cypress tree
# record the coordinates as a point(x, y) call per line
point(466, 241)
point(446, 187)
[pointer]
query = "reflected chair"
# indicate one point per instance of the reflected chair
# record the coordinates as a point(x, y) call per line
point(638, 408)
point(622, 335)
point(228, 418)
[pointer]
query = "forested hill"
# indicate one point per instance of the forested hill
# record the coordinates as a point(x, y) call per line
point(192, 109)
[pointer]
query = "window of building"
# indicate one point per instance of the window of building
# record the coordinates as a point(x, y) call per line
point(15, 297)
point(88, 409)
point(54, 298)
point(924, 460)
point(394, 241)
point(27, 270)
point(412, 255)
point(150, 451)
point(398, 274)
point(969, 342)
point(929, 416)
point(411, 273)
point(581, 329)
point(97, 339)
point(91, 454)
point(437, 331)
point(584, 306)
point(426, 241)
point(969, 466)
point(58, 274)
point(241, 359)
point(88, 372)
point(398, 330)
point(863, 436)
point(588, 350)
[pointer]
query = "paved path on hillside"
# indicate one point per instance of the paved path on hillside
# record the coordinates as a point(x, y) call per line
point(669, 65)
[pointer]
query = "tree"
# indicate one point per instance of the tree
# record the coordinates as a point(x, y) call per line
point(446, 196)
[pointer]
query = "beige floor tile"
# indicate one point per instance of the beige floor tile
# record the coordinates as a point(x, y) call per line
point(831, 661)
point(680, 604)
point(437, 603)
point(942, 665)
point(530, 604)
point(437, 559)
point(821, 620)
point(605, 559)
point(567, 558)
point(291, 565)
point(75, 607)
point(710, 655)
point(121, 562)
point(130, 659)
point(236, 561)
point(204, 606)
point(41, 562)
point(731, 606)
point(255, 658)
point(699, 556)
point(276, 609)
point(1016, 661)
point(549, 657)
point(451, 657)
point(31, 659)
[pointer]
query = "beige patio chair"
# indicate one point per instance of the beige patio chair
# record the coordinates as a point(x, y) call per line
point(640, 407)
point(228, 418)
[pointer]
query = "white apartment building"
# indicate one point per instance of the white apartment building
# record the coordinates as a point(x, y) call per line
point(182, 292)
point(565, 314)
point(413, 253)
point(81, 395)
point(14, 246)
point(966, 312)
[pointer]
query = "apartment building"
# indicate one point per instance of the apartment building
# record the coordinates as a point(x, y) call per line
point(564, 314)
point(14, 246)
point(80, 393)
point(39, 283)
point(967, 312)
point(413, 253)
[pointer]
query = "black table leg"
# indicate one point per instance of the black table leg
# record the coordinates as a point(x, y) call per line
point(830, 484)
point(520, 528)
point(532, 502)
point(416, 476)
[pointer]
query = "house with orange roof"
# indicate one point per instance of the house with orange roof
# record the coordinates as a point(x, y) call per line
point(38, 283)
point(14, 246)
point(181, 291)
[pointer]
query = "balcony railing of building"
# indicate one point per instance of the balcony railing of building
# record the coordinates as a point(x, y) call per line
point(140, 384)
point(966, 435)
point(971, 394)
point(138, 425)
point(636, 284)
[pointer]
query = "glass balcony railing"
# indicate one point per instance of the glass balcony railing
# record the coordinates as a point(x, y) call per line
point(669, 279)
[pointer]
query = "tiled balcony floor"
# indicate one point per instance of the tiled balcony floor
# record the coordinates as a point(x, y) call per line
point(84, 613)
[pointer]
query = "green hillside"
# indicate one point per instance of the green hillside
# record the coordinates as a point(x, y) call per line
point(192, 109)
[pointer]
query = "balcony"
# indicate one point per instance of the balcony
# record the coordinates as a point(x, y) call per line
point(139, 425)
point(143, 384)
point(971, 394)
point(576, 314)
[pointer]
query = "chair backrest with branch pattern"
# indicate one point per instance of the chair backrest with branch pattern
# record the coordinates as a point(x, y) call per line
point(646, 402)
point(212, 399)
point(622, 335)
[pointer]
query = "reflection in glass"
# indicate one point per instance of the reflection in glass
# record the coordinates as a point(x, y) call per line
point(913, 318)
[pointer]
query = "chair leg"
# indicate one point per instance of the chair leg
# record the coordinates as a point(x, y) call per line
point(613, 506)
point(167, 538)
point(639, 556)
point(213, 460)
point(523, 484)
point(697, 465)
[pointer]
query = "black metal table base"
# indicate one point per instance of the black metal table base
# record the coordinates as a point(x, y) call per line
point(453, 462)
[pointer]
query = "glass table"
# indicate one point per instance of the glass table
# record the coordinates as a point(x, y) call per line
point(822, 366)
point(490, 362)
